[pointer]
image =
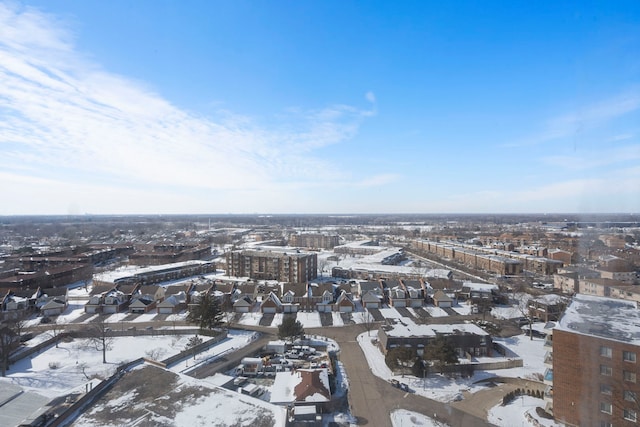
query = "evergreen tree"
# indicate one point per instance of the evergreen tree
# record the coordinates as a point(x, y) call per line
point(290, 329)
point(440, 352)
point(207, 313)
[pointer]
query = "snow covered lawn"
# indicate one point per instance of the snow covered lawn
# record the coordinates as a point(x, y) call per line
point(57, 371)
point(518, 409)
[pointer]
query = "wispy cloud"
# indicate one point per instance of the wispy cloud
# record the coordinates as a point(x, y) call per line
point(613, 192)
point(576, 123)
point(65, 119)
point(606, 156)
point(371, 97)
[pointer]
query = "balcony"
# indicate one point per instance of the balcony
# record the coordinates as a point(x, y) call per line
point(548, 394)
point(548, 342)
point(548, 359)
point(548, 376)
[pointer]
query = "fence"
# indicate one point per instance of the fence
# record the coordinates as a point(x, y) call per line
point(28, 351)
point(195, 349)
point(77, 408)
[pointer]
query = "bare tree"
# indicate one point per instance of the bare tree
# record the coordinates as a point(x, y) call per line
point(19, 321)
point(322, 265)
point(522, 301)
point(368, 321)
point(155, 353)
point(55, 329)
point(100, 337)
point(8, 342)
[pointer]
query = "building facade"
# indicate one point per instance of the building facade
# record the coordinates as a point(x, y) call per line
point(314, 240)
point(596, 346)
point(267, 265)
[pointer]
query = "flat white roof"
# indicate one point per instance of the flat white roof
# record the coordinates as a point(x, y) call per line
point(608, 318)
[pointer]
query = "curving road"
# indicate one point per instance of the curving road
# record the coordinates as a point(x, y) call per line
point(372, 399)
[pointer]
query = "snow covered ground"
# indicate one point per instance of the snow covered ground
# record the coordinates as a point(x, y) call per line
point(520, 409)
point(441, 388)
point(404, 418)
point(148, 395)
point(58, 371)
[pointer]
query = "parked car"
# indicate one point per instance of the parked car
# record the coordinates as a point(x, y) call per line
point(395, 383)
point(404, 387)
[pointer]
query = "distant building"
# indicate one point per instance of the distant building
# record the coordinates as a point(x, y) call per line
point(314, 240)
point(502, 262)
point(164, 253)
point(560, 255)
point(292, 267)
point(547, 307)
point(596, 345)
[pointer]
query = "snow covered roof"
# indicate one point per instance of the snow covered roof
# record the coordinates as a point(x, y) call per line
point(301, 385)
point(550, 299)
point(602, 317)
point(482, 287)
point(407, 328)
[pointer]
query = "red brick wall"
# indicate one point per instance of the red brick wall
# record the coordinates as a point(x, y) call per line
point(577, 379)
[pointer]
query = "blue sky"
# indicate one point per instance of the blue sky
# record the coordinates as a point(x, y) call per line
point(319, 107)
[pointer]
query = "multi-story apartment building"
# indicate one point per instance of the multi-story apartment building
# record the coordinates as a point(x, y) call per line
point(609, 288)
point(292, 267)
point(596, 345)
point(314, 240)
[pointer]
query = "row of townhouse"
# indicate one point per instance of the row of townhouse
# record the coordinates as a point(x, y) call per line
point(496, 261)
point(165, 253)
point(415, 293)
point(371, 272)
point(291, 297)
point(591, 282)
point(287, 304)
point(56, 276)
point(17, 304)
point(156, 274)
point(144, 298)
point(467, 339)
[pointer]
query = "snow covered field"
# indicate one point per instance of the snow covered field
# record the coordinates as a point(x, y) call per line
point(58, 371)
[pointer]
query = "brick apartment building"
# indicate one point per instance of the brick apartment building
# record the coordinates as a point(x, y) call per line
point(292, 267)
point(595, 377)
point(314, 240)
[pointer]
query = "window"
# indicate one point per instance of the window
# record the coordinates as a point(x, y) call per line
point(630, 396)
point(629, 415)
point(605, 407)
point(629, 356)
point(605, 424)
point(605, 351)
point(605, 370)
point(605, 389)
point(629, 376)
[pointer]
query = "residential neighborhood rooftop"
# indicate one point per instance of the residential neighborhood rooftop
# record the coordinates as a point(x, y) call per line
point(407, 328)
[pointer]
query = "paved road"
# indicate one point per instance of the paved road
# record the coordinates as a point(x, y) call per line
point(371, 399)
